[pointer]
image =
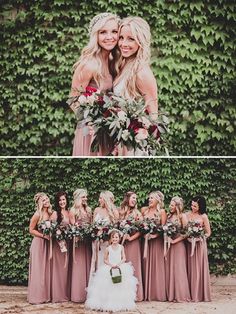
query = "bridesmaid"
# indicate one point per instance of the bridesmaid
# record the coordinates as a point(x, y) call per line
point(80, 213)
point(176, 267)
point(95, 70)
point(154, 263)
point(132, 244)
point(108, 214)
point(60, 269)
point(198, 267)
point(39, 290)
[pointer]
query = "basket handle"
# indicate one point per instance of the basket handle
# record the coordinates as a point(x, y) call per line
point(111, 270)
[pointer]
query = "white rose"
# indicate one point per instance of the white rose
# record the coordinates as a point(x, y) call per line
point(91, 99)
point(125, 135)
point(122, 115)
point(82, 99)
point(142, 134)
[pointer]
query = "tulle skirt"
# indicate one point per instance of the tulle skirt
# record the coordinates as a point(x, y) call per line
point(103, 294)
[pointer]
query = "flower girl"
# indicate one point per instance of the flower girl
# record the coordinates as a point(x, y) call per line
point(113, 287)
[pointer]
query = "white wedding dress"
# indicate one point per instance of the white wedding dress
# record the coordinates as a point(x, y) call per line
point(103, 294)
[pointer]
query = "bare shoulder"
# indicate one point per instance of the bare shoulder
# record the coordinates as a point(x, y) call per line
point(144, 209)
point(145, 71)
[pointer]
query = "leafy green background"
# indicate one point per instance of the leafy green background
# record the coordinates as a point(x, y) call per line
point(192, 59)
point(22, 178)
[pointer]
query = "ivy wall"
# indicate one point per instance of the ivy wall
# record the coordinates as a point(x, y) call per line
point(192, 59)
point(22, 178)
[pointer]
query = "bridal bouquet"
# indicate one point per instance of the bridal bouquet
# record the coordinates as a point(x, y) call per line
point(100, 230)
point(117, 121)
point(47, 227)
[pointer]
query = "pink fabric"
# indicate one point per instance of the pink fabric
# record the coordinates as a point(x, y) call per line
point(176, 273)
point(82, 143)
point(39, 272)
point(154, 271)
point(133, 255)
point(198, 272)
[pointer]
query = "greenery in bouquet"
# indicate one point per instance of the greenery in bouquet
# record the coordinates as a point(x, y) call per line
point(47, 227)
point(79, 231)
point(127, 226)
point(100, 230)
point(194, 230)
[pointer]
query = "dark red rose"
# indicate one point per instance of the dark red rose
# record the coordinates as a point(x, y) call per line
point(135, 125)
point(153, 129)
point(129, 222)
point(107, 113)
point(101, 102)
point(89, 90)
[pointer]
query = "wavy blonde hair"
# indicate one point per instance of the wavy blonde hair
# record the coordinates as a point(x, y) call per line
point(76, 207)
point(179, 203)
point(93, 52)
point(128, 69)
point(109, 199)
point(39, 204)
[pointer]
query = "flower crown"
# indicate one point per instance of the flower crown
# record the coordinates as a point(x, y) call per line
point(99, 17)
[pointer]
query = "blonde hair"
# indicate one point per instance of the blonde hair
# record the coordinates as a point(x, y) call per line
point(142, 35)
point(76, 207)
point(92, 53)
point(108, 198)
point(158, 197)
point(179, 203)
point(39, 204)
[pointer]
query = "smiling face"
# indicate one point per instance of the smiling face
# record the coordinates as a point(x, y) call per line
point(45, 201)
point(172, 207)
point(115, 238)
point(194, 207)
point(133, 200)
point(62, 202)
point(101, 201)
point(108, 35)
point(127, 43)
point(152, 201)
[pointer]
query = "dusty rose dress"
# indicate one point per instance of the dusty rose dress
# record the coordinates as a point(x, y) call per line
point(60, 271)
point(176, 273)
point(81, 261)
point(83, 140)
point(154, 271)
point(198, 271)
point(39, 290)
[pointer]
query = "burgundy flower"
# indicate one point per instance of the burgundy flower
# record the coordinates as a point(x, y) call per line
point(107, 113)
point(101, 102)
point(153, 129)
point(89, 90)
point(135, 125)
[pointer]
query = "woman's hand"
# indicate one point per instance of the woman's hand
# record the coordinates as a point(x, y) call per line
point(46, 237)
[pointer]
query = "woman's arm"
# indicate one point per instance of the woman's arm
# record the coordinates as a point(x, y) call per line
point(207, 226)
point(163, 217)
point(147, 85)
point(32, 227)
point(53, 217)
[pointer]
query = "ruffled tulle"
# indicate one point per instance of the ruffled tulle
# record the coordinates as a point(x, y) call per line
point(104, 295)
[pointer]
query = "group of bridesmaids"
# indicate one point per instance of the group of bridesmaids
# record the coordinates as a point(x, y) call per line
point(178, 276)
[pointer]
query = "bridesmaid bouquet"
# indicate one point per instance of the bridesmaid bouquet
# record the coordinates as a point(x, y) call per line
point(127, 226)
point(150, 226)
point(61, 233)
point(100, 230)
point(170, 230)
point(79, 232)
point(47, 227)
point(195, 232)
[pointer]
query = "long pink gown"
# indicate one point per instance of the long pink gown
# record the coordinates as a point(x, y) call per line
point(60, 271)
point(39, 283)
point(198, 271)
point(81, 262)
point(176, 273)
point(83, 140)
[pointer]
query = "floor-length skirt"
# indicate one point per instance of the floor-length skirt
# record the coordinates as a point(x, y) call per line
point(82, 142)
point(81, 262)
point(39, 272)
point(176, 273)
point(60, 274)
point(154, 271)
point(133, 255)
point(198, 272)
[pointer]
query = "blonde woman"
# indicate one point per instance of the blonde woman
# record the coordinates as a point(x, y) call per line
point(80, 213)
point(129, 210)
point(106, 214)
point(154, 263)
point(135, 79)
point(39, 266)
point(95, 69)
point(176, 267)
